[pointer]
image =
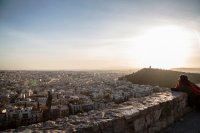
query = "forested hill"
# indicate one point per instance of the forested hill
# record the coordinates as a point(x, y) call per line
point(163, 78)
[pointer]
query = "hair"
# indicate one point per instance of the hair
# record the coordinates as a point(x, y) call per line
point(184, 80)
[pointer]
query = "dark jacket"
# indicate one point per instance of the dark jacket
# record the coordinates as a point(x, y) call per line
point(193, 91)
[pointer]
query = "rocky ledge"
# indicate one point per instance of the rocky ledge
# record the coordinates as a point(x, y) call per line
point(138, 115)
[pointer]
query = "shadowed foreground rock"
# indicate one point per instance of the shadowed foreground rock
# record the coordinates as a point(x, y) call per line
point(138, 115)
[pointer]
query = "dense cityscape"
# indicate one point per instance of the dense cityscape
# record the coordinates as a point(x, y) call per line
point(29, 97)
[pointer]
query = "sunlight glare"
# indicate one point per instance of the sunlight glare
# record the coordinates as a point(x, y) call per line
point(164, 46)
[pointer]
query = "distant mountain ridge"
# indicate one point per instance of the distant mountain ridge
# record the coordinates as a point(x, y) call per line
point(163, 78)
point(191, 70)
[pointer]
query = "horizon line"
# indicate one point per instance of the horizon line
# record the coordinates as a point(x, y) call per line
point(123, 69)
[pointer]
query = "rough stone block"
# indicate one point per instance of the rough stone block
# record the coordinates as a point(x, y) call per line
point(106, 126)
point(156, 114)
point(119, 125)
point(160, 125)
point(129, 114)
point(92, 129)
point(170, 120)
point(139, 124)
point(152, 130)
point(149, 120)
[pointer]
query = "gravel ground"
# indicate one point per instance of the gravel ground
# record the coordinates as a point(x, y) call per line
point(190, 123)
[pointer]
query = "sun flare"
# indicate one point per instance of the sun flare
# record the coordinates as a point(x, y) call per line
point(164, 46)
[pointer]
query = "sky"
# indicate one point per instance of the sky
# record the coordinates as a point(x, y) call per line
point(99, 34)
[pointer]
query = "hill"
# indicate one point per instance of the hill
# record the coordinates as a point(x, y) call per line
point(163, 78)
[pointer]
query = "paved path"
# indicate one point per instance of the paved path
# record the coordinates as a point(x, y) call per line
point(190, 123)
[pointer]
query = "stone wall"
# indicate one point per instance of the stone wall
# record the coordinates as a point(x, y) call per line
point(146, 115)
point(138, 115)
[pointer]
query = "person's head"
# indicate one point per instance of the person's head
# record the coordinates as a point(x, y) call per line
point(183, 79)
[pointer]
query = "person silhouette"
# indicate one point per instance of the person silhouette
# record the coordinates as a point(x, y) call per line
point(193, 91)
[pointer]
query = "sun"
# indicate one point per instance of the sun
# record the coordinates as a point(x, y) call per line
point(163, 46)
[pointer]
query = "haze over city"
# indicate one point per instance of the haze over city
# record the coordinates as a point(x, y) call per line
point(99, 34)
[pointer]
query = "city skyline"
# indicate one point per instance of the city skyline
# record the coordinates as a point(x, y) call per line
point(64, 35)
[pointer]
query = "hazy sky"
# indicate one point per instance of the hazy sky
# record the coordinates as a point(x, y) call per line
point(99, 34)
